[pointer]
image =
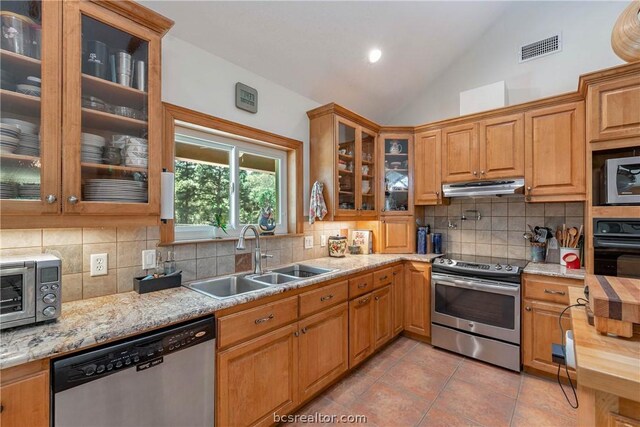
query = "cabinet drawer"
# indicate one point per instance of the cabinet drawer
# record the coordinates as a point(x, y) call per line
point(247, 324)
point(360, 285)
point(382, 277)
point(319, 299)
point(552, 289)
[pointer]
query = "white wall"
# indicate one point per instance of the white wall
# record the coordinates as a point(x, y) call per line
point(201, 81)
point(586, 33)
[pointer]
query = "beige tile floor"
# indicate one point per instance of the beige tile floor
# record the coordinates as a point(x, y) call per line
point(414, 384)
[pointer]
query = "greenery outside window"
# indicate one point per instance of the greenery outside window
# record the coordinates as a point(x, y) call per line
point(234, 179)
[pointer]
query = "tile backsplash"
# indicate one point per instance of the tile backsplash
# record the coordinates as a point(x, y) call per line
point(125, 244)
point(503, 221)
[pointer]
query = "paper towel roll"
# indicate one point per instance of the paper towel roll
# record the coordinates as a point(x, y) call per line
point(167, 189)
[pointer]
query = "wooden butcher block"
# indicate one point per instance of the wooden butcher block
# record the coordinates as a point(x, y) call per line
point(615, 302)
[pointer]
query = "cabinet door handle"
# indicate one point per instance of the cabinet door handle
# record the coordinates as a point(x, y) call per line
point(51, 199)
point(362, 285)
point(264, 319)
point(1, 408)
point(475, 173)
point(296, 334)
point(481, 172)
point(326, 297)
point(383, 277)
point(304, 330)
point(364, 300)
point(527, 308)
point(72, 199)
point(377, 298)
point(552, 292)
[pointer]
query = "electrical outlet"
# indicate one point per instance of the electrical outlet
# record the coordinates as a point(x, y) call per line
point(99, 264)
point(308, 242)
point(148, 259)
point(323, 240)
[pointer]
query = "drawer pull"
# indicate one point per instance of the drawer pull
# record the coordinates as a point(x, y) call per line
point(326, 297)
point(364, 300)
point(264, 319)
point(383, 278)
point(527, 308)
point(552, 292)
point(362, 285)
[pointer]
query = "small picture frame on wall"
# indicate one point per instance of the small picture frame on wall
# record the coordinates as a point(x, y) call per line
point(246, 98)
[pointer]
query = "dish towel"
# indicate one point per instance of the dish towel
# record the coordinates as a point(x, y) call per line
point(317, 206)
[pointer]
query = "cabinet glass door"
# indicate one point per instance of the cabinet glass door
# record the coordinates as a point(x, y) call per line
point(396, 175)
point(347, 150)
point(29, 158)
point(110, 145)
point(367, 173)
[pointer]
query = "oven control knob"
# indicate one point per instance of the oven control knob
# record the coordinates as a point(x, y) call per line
point(49, 311)
point(508, 268)
point(89, 370)
point(49, 298)
point(498, 267)
point(119, 364)
point(100, 369)
point(441, 260)
point(449, 261)
point(44, 288)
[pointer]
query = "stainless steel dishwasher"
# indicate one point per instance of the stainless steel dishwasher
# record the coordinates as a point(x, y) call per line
point(163, 378)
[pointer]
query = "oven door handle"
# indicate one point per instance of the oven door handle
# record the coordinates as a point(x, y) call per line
point(601, 243)
point(467, 284)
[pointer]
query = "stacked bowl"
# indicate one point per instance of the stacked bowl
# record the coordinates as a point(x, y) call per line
point(9, 138)
point(92, 146)
point(136, 152)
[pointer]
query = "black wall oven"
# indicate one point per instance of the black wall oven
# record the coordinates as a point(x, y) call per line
point(616, 247)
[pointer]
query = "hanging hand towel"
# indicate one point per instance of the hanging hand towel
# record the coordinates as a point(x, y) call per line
point(317, 207)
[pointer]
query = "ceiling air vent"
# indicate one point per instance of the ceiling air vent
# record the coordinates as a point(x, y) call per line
point(540, 48)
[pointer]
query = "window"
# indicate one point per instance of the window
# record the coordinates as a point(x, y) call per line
point(233, 178)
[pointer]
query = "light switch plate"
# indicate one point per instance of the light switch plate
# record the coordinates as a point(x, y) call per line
point(148, 259)
point(99, 264)
point(323, 240)
point(308, 242)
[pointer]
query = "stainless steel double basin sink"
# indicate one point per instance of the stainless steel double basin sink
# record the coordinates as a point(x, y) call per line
point(231, 286)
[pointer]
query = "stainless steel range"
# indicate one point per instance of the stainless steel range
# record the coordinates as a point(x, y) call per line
point(475, 307)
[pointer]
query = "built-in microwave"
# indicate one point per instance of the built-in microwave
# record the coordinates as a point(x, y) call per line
point(621, 181)
point(30, 289)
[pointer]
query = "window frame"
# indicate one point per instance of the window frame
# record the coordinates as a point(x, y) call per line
point(233, 145)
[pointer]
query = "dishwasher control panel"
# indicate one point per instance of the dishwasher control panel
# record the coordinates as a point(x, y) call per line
point(142, 352)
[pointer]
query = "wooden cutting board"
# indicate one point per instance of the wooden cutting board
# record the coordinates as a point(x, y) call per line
point(615, 302)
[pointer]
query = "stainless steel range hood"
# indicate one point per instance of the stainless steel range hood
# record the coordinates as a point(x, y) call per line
point(503, 187)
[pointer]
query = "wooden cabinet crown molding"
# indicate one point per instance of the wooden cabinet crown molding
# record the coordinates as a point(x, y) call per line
point(138, 13)
point(334, 108)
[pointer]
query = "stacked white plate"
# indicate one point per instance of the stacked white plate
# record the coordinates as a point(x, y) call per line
point(23, 125)
point(8, 190)
point(136, 152)
point(29, 191)
point(92, 148)
point(115, 190)
point(29, 145)
point(9, 138)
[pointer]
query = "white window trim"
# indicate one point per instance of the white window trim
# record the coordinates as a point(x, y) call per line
point(227, 142)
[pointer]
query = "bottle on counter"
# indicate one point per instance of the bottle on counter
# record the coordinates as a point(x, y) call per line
point(170, 263)
point(437, 243)
point(422, 240)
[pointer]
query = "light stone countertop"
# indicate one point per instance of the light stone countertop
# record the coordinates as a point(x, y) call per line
point(554, 270)
point(95, 321)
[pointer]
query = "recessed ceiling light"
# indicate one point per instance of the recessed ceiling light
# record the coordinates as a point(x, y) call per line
point(374, 55)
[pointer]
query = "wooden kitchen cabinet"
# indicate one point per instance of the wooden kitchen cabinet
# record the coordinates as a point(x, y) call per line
point(396, 159)
point(258, 378)
point(427, 172)
point(502, 147)
point(397, 298)
point(614, 109)
point(24, 395)
point(555, 153)
point(323, 349)
point(383, 316)
point(361, 329)
point(89, 102)
point(397, 235)
point(460, 153)
point(345, 160)
point(417, 297)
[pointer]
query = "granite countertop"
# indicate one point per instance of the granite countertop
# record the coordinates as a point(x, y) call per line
point(554, 270)
point(94, 321)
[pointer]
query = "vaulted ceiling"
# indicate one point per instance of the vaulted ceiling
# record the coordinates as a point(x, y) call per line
point(319, 49)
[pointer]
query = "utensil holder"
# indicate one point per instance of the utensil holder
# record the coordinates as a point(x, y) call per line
point(538, 252)
point(564, 251)
point(159, 284)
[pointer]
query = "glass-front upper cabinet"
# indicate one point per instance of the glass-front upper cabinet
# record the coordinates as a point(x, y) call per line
point(367, 173)
point(347, 163)
point(112, 128)
point(29, 107)
point(397, 186)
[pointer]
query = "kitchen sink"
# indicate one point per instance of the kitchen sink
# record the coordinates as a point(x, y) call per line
point(274, 278)
point(302, 271)
point(227, 287)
